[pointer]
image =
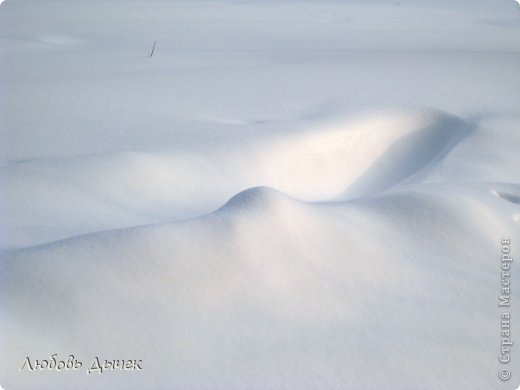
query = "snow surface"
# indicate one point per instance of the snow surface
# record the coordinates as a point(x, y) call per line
point(288, 194)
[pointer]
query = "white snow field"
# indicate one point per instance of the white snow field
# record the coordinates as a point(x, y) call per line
point(287, 195)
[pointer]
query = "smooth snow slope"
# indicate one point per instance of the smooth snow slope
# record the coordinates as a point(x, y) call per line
point(288, 194)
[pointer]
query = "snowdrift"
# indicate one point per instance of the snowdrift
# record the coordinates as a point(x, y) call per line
point(268, 290)
point(287, 195)
point(332, 159)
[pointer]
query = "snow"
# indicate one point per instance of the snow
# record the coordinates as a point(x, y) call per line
point(288, 194)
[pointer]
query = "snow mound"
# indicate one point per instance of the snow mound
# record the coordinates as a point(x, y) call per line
point(363, 156)
point(263, 198)
point(268, 286)
point(325, 160)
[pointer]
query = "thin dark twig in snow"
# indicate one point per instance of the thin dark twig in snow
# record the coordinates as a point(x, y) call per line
point(153, 49)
